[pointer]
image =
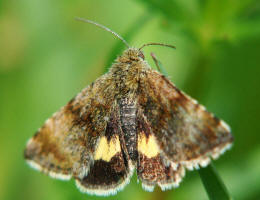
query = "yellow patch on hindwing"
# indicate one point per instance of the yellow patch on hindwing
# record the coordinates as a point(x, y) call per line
point(106, 150)
point(147, 146)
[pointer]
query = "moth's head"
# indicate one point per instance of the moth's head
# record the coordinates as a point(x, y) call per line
point(136, 54)
point(131, 55)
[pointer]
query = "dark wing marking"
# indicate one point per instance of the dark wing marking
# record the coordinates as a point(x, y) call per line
point(185, 131)
point(65, 144)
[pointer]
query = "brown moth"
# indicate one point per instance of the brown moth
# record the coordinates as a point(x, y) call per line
point(131, 118)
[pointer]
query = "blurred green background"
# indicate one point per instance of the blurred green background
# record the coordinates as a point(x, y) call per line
point(46, 57)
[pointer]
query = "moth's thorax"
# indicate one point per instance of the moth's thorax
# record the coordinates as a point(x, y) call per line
point(127, 69)
point(131, 60)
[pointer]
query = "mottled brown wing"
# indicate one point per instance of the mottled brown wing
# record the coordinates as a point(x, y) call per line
point(65, 144)
point(153, 168)
point(185, 132)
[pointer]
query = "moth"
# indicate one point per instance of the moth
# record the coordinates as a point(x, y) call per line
point(132, 118)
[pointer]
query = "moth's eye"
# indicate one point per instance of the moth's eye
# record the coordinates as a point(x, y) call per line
point(141, 55)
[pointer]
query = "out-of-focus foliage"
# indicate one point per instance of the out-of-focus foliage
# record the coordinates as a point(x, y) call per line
point(46, 57)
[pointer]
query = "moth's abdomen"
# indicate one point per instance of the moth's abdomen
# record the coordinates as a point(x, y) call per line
point(128, 124)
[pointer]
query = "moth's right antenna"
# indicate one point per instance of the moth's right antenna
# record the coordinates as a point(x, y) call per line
point(155, 43)
point(103, 27)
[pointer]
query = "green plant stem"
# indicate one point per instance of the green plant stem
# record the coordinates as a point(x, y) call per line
point(213, 184)
point(159, 65)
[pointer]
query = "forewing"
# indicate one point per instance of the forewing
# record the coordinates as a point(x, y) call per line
point(185, 131)
point(65, 144)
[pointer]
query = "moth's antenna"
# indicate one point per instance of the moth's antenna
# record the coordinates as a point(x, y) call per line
point(155, 43)
point(103, 27)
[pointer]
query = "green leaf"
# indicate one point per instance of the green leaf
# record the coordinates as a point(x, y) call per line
point(170, 9)
point(213, 184)
point(129, 34)
point(246, 29)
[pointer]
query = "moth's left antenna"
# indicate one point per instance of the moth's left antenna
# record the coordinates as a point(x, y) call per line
point(103, 27)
